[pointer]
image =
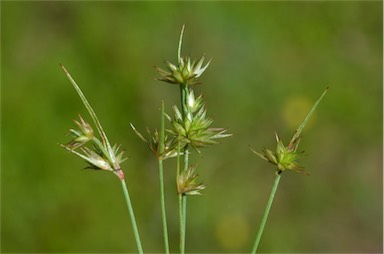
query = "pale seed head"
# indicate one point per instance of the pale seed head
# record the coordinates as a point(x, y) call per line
point(187, 183)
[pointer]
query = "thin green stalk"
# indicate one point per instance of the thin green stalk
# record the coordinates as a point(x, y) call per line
point(184, 202)
point(183, 198)
point(132, 215)
point(184, 223)
point(163, 211)
point(181, 225)
point(181, 228)
point(183, 98)
point(161, 176)
point(266, 212)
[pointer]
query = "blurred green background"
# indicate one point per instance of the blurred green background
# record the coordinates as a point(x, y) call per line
point(270, 62)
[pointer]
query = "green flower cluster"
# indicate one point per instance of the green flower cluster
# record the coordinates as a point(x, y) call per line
point(192, 126)
point(187, 183)
point(97, 155)
point(153, 141)
point(187, 72)
point(284, 158)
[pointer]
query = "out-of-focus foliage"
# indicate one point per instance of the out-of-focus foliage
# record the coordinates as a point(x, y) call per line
point(270, 62)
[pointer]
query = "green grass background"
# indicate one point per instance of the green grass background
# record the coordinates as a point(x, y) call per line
point(270, 62)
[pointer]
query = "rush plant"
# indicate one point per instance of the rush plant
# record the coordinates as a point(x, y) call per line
point(188, 129)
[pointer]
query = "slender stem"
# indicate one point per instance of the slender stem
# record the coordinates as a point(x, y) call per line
point(266, 212)
point(180, 198)
point(183, 94)
point(161, 178)
point(184, 223)
point(132, 215)
point(183, 198)
point(181, 225)
point(163, 211)
point(184, 203)
point(178, 161)
point(181, 215)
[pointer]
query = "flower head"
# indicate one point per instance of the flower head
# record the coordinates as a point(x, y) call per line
point(81, 136)
point(185, 73)
point(193, 126)
point(187, 183)
point(153, 142)
point(284, 157)
point(96, 158)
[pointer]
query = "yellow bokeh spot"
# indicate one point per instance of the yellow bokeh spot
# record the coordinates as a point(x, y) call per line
point(294, 111)
point(232, 232)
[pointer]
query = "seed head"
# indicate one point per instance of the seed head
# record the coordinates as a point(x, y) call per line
point(81, 136)
point(193, 127)
point(284, 157)
point(153, 142)
point(185, 73)
point(187, 183)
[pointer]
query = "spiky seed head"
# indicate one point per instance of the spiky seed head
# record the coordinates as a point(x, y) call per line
point(81, 136)
point(284, 157)
point(194, 127)
point(153, 142)
point(185, 73)
point(85, 127)
point(187, 183)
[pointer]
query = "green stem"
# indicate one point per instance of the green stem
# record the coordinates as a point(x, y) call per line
point(161, 176)
point(163, 211)
point(184, 202)
point(183, 198)
point(132, 215)
point(181, 225)
point(183, 95)
point(180, 200)
point(266, 212)
point(184, 214)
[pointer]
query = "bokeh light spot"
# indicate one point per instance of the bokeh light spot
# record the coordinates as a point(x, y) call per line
point(294, 111)
point(232, 232)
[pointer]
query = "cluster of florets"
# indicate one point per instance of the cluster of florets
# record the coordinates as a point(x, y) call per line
point(190, 124)
point(99, 154)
